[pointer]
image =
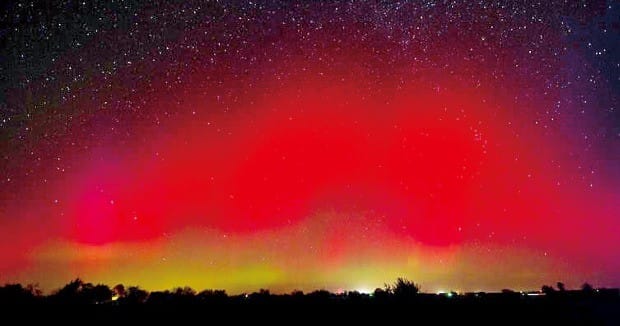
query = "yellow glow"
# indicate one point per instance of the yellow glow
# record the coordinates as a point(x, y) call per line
point(299, 257)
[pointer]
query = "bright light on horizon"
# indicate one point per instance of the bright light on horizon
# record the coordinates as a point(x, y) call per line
point(364, 290)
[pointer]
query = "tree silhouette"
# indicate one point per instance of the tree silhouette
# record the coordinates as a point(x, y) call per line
point(381, 294)
point(297, 293)
point(69, 293)
point(100, 293)
point(548, 289)
point(404, 288)
point(212, 296)
point(184, 295)
point(135, 295)
point(262, 296)
point(319, 296)
point(184, 291)
point(119, 291)
point(17, 294)
point(160, 298)
point(356, 297)
point(587, 288)
point(561, 286)
point(77, 291)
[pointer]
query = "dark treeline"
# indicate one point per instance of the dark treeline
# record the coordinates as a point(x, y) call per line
point(403, 290)
point(555, 304)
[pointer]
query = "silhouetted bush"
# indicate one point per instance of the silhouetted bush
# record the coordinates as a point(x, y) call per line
point(297, 293)
point(262, 296)
point(319, 296)
point(356, 297)
point(134, 295)
point(548, 290)
point(119, 291)
point(69, 293)
point(17, 294)
point(381, 295)
point(78, 292)
point(587, 288)
point(404, 289)
point(184, 295)
point(160, 298)
point(212, 296)
point(561, 286)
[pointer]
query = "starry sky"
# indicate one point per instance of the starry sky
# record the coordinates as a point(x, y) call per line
point(466, 145)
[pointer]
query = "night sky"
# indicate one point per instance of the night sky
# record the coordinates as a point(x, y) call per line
point(465, 145)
